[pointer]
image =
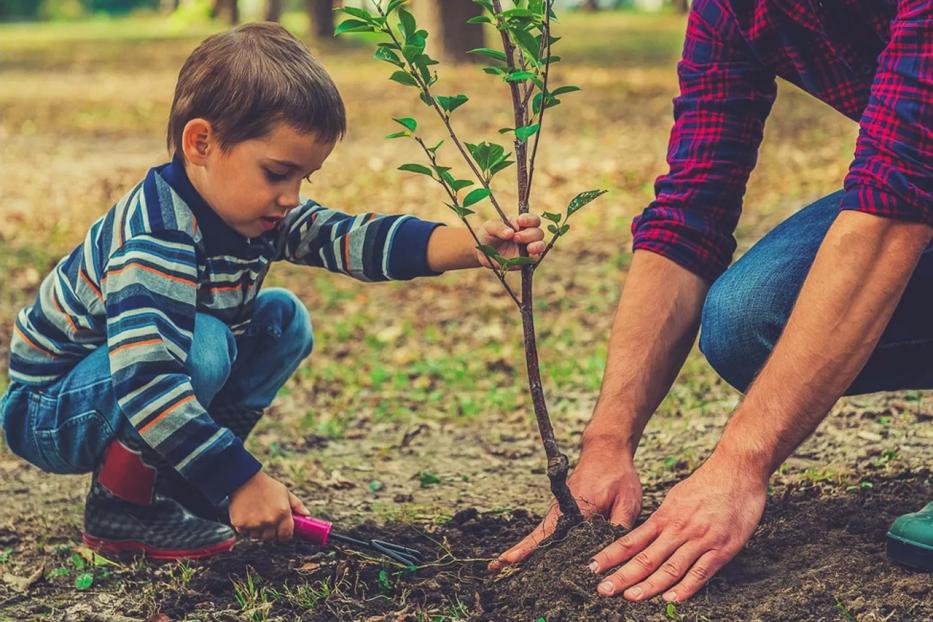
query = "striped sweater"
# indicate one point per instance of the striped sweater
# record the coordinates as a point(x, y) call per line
point(156, 258)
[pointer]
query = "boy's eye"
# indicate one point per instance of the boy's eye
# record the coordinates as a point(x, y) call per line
point(274, 177)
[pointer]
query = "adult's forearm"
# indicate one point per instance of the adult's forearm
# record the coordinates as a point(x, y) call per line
point(654, 327)
point(856, 281)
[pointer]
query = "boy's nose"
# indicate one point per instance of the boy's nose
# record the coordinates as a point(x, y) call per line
point(289, 200)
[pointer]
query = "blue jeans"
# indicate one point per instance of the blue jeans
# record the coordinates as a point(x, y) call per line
point(748, 306)
point(66, 426)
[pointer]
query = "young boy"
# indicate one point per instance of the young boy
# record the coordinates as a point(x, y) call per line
point(150, 352)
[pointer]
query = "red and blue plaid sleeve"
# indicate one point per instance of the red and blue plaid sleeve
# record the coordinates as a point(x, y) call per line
point(725, 97)
point(892, 173)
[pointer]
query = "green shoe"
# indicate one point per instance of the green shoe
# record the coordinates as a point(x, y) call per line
point(910, 539)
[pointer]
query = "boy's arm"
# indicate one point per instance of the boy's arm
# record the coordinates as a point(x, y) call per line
point(368, 247)
point(150, 292)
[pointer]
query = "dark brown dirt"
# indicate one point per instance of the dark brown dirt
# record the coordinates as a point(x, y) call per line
point(818, 555)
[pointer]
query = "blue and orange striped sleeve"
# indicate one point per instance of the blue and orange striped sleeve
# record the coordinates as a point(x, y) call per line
point(368, 247)
point(150, 287)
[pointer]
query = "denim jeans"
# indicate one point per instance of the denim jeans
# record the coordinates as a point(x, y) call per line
point(748, 306)
point(66, 426)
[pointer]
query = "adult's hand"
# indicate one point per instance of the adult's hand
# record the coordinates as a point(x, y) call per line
point(703, 522)
point(603, 482)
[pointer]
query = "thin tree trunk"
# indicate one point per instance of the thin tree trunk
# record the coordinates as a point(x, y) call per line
point(274, 10)
point(321, 14)
point(589, 5)
point(451, 36)
point(682, 5)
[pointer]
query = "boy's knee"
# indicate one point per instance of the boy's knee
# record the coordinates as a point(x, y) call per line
point(212, 356)
point(294, 321)
point(738, 331)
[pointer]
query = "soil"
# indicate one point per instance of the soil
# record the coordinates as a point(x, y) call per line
point(818, 555)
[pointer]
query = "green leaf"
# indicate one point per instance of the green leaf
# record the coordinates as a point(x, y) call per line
point(475, 196)
point(552, 216)
point(434, 149)
point(582, 199)
point(403, 78)
point(416, 168)
point(553, 229)
point(384, 581)
point(495, 71)
point(407, 23)
point(564, 229)
point(398, 135)
point(520, 261)
point(524, 133)
point(355, 12)
point(506, 130)
point(462, 212)
point(407, 122)
point(501, 166)
point(84, 580)
point(375, 485)
point(460, 184)
point(428, 479)
point(352, 25)
point(449, 104)
point(387, 55)
point(491, 53)
point(394, 4)
point(479, 19)
point(517, 76)
point(564, 89)
point(426, 99)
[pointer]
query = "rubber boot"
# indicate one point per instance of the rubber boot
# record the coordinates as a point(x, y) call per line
point(910, 540)
point(125, 513)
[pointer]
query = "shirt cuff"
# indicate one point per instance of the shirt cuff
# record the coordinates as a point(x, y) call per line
point(223, 472)
point(408, 254)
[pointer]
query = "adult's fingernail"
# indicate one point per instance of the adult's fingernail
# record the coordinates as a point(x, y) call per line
point(633, 593)
point(670, 597)
point(605, 588)
point(507, 231)
point(594, 567)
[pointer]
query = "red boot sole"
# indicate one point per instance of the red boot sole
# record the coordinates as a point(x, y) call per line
point(134, 546)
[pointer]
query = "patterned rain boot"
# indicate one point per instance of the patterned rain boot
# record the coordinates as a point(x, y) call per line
point(910, 539)
point(125, 512)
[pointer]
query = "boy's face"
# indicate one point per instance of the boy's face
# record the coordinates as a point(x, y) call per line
point(254, 184)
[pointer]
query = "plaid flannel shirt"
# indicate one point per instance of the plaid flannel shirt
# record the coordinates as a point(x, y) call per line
point(872, 60)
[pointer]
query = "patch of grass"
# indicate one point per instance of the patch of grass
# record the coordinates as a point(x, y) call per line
point(255, 599)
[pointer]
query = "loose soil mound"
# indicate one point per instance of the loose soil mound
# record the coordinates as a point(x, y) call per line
point(819, 555)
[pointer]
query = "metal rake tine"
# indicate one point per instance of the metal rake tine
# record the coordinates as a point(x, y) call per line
point(401, 558)
point(404, 550)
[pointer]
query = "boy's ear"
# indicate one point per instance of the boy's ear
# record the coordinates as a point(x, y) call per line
point(197, 140)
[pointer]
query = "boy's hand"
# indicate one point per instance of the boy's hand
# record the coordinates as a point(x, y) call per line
point(526, 229)
point(262, 509)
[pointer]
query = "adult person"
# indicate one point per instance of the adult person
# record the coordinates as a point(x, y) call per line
point(836, 300)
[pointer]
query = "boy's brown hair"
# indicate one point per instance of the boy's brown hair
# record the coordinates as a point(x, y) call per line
point(245, 80)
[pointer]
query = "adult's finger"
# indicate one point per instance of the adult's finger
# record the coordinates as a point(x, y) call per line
point(527, 236)
point(626, 547)
point(668, 573)
point(625, 510)
point(638, 568)
point(267, 534)
point(700, 572)
point(529, 543)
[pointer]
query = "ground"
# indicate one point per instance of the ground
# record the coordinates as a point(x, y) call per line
point(416, 423)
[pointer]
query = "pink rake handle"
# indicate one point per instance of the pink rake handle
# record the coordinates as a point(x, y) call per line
point(312, 529)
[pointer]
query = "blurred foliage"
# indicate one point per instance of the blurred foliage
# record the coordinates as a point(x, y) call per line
point(53, 10)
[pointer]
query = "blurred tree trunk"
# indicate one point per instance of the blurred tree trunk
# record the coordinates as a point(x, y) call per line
point(274, 10)
point(682, 5)
point(321, 14)
point(451, 37)
point(168, 6)
point(227, 10)
point(589, 5)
